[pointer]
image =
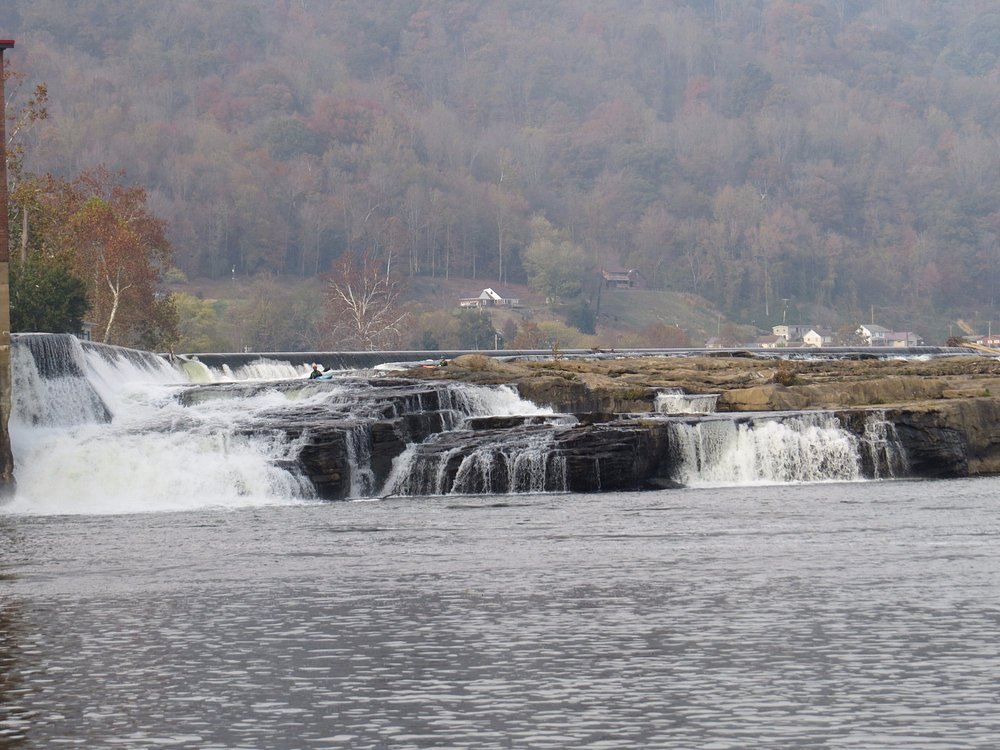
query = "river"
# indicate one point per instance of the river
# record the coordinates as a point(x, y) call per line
point(831, 615)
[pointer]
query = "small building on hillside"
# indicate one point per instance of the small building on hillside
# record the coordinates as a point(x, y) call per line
point(873, 335)
point(768, 342)
point(489, 298)
point(991, 340)
point(791, 331)
point(621, 279)
point(818, 337)
point(902, 339)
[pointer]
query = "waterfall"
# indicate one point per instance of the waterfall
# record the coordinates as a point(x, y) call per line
point(676, 401)
point(102, 429)
point(359, 453)
point(99, 429)
point(262, 368)
point(472, 401)
point(486, 463)
point(801, 448)
point(50, 387)
point(882, 447)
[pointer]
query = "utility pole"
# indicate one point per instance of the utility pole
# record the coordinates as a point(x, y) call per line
point(6, 455)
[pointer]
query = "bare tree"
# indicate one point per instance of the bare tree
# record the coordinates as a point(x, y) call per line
point(362, 307)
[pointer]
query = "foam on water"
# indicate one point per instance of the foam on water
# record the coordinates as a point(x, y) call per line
point(105, 434)
point(804, 448)
point(99, 429)
point(675, 401)
point(493, 402)
point(260, 369)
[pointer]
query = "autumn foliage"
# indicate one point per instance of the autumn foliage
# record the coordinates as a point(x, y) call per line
point(835, 154)
point(103, 230)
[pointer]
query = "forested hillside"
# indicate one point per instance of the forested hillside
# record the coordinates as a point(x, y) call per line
point(841, 155)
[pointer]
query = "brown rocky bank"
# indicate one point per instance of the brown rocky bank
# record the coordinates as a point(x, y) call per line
point(946, 410)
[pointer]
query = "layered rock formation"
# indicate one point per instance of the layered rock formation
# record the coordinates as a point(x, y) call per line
point(398, 435)
point(943, 411)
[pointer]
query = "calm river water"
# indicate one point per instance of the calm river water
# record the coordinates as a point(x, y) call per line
point(859, 615)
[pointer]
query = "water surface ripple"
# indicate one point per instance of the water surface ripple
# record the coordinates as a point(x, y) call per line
point(859, 615)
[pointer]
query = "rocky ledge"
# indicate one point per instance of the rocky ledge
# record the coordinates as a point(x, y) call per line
point(409, 434)
point(945, 411)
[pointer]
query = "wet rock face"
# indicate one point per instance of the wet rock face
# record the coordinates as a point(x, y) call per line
point(934, 423)
point(933, 451)
point(618, 456)
point(512, 454)
point(951, 438)
point(495, 456)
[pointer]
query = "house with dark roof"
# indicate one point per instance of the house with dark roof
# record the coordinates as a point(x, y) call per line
point(622, 279)
point(818, 337)
point(489, 298)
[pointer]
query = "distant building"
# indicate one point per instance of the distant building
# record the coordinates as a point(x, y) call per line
point(992, 340)
point(791, 331)
point(818, 337)
point(489, 298)
point(769, 342)
point(873, 335)
point(621, 279)
point(902, 339)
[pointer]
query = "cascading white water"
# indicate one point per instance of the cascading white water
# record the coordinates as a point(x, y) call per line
point(359, 453)
point(882, 445)
point(260, 369)
point(103, 433)
point(497, 401)
point(53, 401)
point(518, 467)
point(804, 448)
point(509, 464)
point(675, 401)
point(522, 463)
point(103, 430)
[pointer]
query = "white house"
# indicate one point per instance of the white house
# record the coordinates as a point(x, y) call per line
point(818, 337)
point(791, 331)
point(873, 335)
point(489, 298)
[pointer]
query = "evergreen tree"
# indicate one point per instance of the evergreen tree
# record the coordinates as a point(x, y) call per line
point(46, 297)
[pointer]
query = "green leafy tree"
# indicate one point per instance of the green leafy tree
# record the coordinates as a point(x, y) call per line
point(199, 325)
point(120, 250)
point(475, 330)
point(582, 316)
point(556, 266)
point(46, 297)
